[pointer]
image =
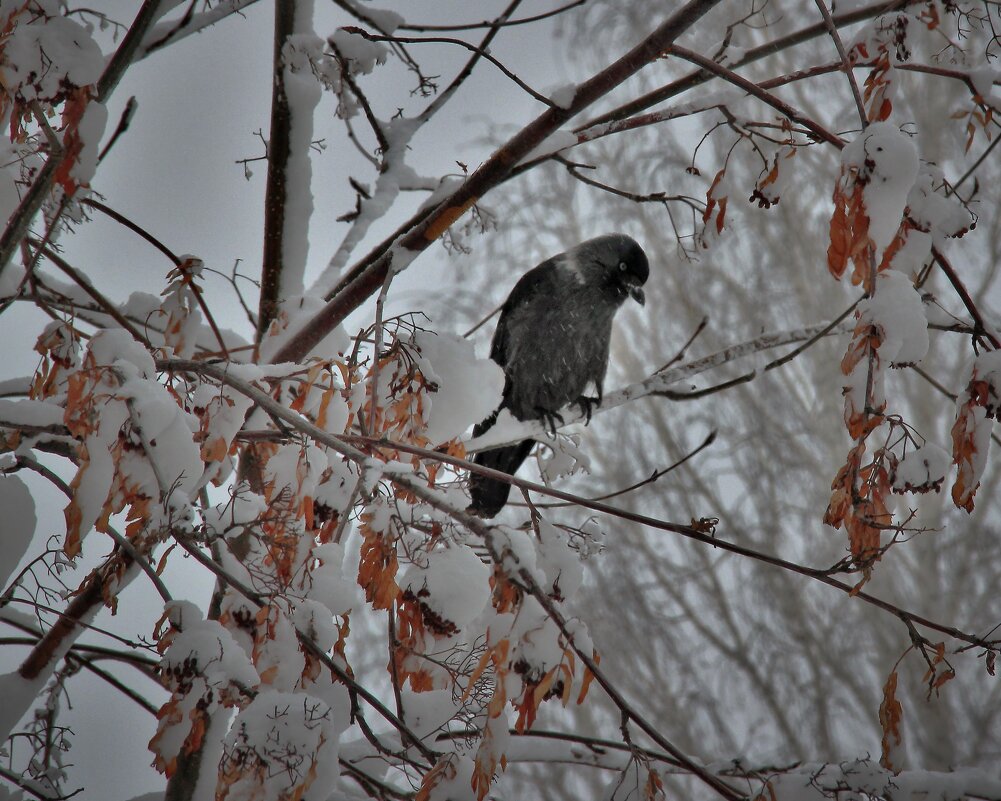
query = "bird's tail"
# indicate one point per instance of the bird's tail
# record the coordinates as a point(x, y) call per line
point(488, 494)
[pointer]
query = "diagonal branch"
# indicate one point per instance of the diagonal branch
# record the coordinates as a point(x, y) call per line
point(699, 77)
point(165, 33)
point(424, 228)
point(727, 74)
point(515, 431)
point(702, 534)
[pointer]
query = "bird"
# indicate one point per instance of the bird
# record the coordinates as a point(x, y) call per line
point(552, 342)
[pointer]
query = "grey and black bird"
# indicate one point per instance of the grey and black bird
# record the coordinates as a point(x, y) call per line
point(552, 342)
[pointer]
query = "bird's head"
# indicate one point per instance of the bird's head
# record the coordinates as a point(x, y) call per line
point(617, 262)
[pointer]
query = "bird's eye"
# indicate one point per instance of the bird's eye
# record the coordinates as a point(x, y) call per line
point(623, 266)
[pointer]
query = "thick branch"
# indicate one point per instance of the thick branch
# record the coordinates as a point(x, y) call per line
point(276, 195)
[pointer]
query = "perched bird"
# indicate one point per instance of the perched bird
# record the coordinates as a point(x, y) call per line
point(552, 342)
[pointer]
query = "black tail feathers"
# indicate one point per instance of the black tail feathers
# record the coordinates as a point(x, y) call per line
point(488, 494)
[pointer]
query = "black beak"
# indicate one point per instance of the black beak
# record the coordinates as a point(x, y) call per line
point(636, 293)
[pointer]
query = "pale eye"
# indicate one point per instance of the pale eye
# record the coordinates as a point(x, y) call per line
point(623, 267)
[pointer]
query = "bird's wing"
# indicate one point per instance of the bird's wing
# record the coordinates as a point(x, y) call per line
point(532, 286)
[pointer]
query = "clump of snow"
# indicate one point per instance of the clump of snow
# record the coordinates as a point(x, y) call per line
point(330, 586)
point(517, 552)
point(428, 711)
point(293, 315)
point(17, 524)
point(338, 482)
point(564, 572)
point(112, 346)
point(90, 130)
point(922, 470)
point(936, 214)
point(887, 164)
point(536, 645)
point(468, 389)
point(554, 143)
point(172, 456)
point(303, 91)
point(385, 21)
point(315, 621)
point(43, 56)
point(277, 745)
point(896, 308)
point(279, 659)
point(204, 652)
point(362, 54)
point(983, 79)
point(29, 412)
point(564, 456)
point(563, 96)
point(451, 586)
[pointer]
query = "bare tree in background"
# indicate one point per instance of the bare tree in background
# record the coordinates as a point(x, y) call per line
point(787, 512)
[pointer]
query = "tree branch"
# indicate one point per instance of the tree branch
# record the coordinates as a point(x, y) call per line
point(425, 227)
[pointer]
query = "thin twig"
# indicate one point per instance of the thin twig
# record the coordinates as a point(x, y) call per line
point(106, 305)
point(486, 320)
point(121, 219)
point(123, 125)
point(845, 61)
point(478, 50)
point(653, 477)
point(469, 26)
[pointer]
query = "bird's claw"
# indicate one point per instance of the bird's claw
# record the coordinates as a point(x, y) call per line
point(586, 404)
point(549, 420)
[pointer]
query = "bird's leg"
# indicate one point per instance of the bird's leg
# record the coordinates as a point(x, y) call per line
point(549, 419)
point(586, 404)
